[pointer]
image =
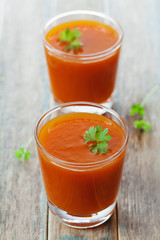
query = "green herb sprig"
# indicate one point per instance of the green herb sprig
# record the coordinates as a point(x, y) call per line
point(138, 108)
point(70, 38)
point(23, 151)
point(99, 137)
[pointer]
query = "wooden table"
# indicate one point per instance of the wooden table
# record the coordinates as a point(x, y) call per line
point(25, 95)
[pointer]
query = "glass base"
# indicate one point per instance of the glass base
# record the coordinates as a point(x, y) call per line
point(109, 102)
point(82, 221)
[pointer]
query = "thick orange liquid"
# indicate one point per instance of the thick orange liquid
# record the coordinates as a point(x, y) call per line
point(74, 79)
point(80, 190)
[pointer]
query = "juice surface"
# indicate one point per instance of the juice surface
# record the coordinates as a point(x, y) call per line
point(85, 190)
point(96, 37)
point(62, 137)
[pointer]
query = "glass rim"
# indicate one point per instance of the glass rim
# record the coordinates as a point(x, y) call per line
point(82, 56)
point(73, 164)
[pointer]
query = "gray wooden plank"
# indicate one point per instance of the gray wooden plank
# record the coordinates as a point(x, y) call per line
point(2, 4)
point(58, 231)
point(139, 196)
point(23, 203)
point(63, 6)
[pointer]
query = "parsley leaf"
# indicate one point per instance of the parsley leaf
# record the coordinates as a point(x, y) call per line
point(19, 153)
point(99, 137)
point(27, 156)
point(22, 152)
point(70, 38)
point(142, 124)
point(99, 148)
point(137, 108)
point(90, 135)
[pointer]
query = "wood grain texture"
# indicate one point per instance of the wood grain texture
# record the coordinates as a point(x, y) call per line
point(62, 6)
point(22, 204)
point(58, 231)
point(139, 196)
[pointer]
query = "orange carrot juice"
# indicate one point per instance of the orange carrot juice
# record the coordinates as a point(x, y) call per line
point(89, 73)
point(76, 180)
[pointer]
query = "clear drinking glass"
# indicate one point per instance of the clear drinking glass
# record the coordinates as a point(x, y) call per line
point(64, 180)
point(82, 77)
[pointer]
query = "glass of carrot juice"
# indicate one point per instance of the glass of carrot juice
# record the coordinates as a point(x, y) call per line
point(81, 164)
point(82, 51)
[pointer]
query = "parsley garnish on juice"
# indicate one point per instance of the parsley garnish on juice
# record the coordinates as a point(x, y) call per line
point(99, 139)
point(138, 108)
point(70, 38)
